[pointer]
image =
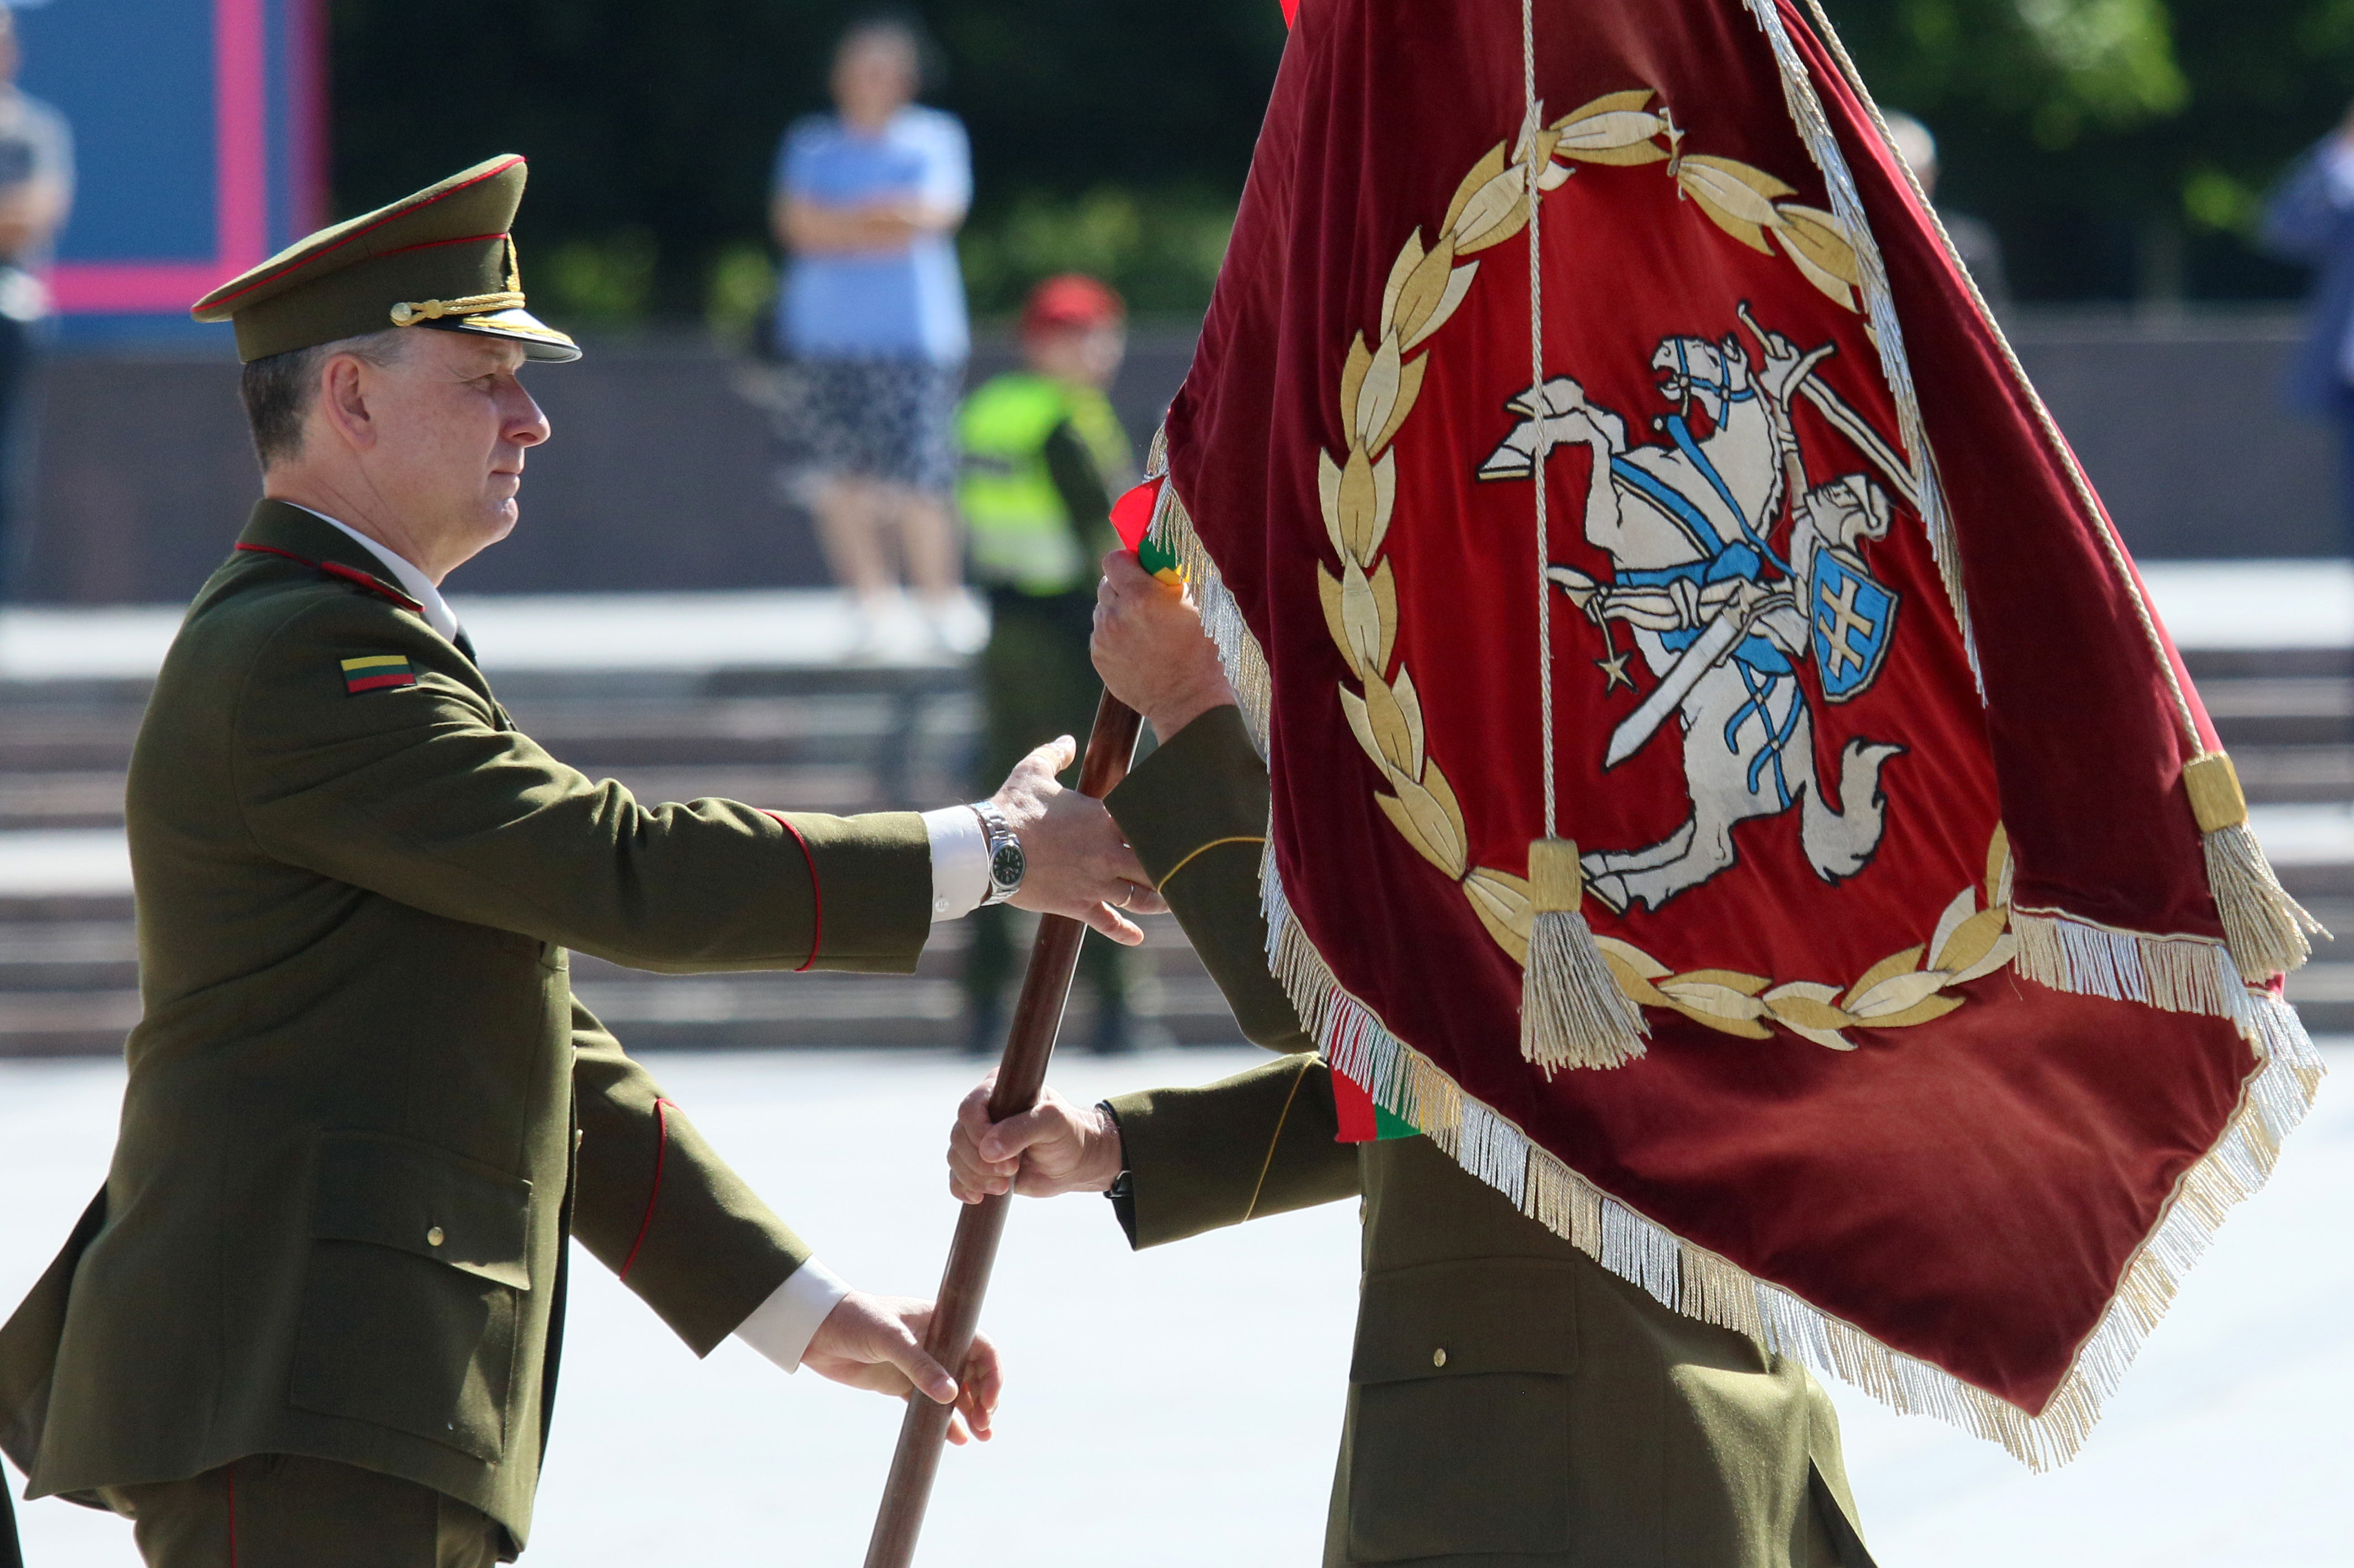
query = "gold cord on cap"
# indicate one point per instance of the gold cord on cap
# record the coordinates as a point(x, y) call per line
point(409, 312)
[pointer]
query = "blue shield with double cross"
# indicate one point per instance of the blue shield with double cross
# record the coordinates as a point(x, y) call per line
point(1853, 617)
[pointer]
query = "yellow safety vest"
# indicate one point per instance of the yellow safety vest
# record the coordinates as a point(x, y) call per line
point(1024, 536)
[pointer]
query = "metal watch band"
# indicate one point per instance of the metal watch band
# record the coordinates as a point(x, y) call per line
point(1001, 837)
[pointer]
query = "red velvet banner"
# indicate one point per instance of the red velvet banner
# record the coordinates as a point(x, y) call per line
point(1813, 853)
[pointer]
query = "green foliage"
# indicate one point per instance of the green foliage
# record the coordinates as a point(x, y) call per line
point(1161, 249)
point(661, 123)
point(2056, 67)
point(743, 283)
point(2121, 147)
point(601, 282)
point(2116, 146)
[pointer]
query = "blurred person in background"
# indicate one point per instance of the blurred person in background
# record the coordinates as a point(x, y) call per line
point(1974, 238)
point(2310, 219)
point(35, 192)
point(1044, 454)
point(872, 321)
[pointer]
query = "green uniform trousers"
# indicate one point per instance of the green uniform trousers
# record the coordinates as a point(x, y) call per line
point(1512, 1403)
point(285, 1510)
point(1037, 683)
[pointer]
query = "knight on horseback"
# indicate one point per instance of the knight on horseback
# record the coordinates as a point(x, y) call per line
point(1718, 614)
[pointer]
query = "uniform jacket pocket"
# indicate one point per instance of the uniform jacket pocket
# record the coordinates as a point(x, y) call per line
point(418, 1257)
point(1459, 1426)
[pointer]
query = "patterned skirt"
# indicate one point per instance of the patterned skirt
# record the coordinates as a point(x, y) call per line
point(888, 419)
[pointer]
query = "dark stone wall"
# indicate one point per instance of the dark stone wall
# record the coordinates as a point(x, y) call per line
point(2182, 424)
point(658, 476)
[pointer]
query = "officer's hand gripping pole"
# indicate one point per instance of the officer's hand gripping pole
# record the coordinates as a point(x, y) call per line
point(1021, 1075)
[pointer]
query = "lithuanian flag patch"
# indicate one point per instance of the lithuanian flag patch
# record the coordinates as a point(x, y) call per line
point(375, 672)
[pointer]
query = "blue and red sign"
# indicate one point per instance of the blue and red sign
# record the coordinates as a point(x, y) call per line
point(200, 141)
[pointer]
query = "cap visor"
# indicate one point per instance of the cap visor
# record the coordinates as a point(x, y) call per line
point(539, 340)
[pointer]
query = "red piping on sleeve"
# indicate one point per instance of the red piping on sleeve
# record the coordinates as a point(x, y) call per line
point(661, 1148)
point(817, 893)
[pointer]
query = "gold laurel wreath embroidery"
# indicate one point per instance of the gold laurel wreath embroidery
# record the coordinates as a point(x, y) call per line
point(1379, 387)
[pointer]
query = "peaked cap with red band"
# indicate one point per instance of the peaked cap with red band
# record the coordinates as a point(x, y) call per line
point(442, 258)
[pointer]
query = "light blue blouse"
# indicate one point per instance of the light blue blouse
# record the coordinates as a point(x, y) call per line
point(904, 303)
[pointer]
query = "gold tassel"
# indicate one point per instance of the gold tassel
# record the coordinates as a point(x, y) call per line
point(2263, 926)
point(1573, 1013)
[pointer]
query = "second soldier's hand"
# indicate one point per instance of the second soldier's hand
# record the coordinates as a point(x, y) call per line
point(1079, 864)
point(1151, 650)
point(1053, 1148)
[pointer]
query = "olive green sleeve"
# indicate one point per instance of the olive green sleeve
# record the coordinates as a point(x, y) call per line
point(655, 1203)
point(426, 794)
point(1195, 811)
point(1262, 1142)
point(1265, 1141)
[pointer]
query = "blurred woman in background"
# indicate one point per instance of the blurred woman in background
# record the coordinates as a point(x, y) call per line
point(871, 321)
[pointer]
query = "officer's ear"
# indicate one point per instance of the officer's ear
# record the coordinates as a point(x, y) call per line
point(342, 410)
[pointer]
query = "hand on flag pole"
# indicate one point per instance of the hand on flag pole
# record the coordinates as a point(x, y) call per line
point(1079, 866)
point(1151, 650)
point(1052, 1149)
point(875, 1342)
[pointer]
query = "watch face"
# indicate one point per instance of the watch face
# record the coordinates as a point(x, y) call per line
point(1005, 867)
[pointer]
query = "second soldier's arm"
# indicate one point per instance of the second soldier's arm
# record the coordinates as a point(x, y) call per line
point(1261, 1142)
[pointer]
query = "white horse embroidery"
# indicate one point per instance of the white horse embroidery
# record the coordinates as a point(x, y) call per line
point(1716, 614)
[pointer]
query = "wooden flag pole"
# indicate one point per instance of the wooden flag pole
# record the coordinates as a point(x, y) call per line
point(1021, 1075)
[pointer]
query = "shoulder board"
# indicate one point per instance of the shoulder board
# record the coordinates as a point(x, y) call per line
point(348, 573)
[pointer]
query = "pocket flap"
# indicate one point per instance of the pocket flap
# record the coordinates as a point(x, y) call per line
point(1461, 1318)
point(397, 1192)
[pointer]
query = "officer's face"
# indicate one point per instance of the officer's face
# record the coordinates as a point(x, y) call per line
point(452, 425)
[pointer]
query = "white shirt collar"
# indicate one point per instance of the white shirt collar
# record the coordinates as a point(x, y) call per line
point(414, 583)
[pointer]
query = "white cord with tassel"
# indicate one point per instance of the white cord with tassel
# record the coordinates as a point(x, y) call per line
point(2263, 926)
point(1573, 1013)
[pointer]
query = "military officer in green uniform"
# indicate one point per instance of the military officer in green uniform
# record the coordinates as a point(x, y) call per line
point(1510, 1402)
point(313, 1316)
point(1043, 455)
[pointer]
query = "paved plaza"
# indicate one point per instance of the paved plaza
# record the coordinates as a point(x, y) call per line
point(1181, 1406)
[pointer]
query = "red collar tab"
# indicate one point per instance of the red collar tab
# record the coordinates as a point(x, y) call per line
point(349, 574)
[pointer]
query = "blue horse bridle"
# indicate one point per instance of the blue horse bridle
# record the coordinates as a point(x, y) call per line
point(1723, 390)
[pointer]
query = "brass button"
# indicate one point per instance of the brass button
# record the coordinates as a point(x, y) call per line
point(1439, 1357)
point(434, 1238)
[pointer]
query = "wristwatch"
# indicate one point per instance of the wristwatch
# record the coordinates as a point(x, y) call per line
point(1006, 861)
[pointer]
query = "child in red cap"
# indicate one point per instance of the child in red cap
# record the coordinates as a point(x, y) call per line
point(1043, 455)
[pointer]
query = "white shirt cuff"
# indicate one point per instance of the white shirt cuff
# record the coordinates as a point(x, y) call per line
point(959, 861)
point(782, 1327)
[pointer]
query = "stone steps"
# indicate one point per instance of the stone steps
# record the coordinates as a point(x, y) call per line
point(846, 739)
point(832, 738)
